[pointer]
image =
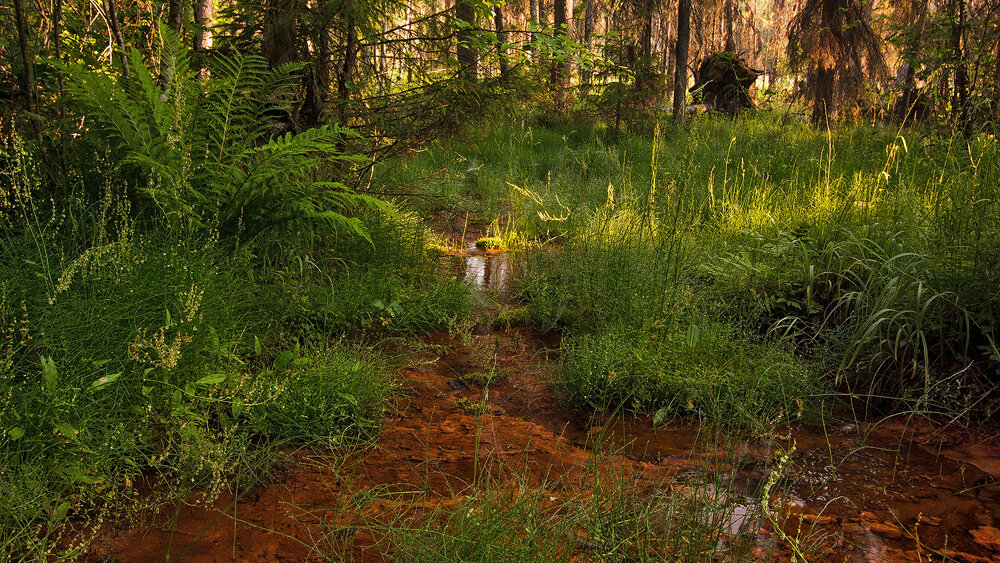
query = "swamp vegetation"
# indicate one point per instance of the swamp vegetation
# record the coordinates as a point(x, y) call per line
point(384, 283)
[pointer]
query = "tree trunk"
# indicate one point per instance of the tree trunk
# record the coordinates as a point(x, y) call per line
point(317, 78)
point(559, 78)
point(647, 32)
point(468, 58)
point(204, 12)
point(112, 9)
point(644, 68)
point(175, 15)
point(28, 82)
point(910, 55)
point(57, 45)
point(279, 34)
point(588, 40)
point(681, 57)
point(823, 104)
point(533, 20)
point(501, 41)
point(960, 96)
point(730, 15)
point(824, 79)
point(346, 74)
point(700, 20)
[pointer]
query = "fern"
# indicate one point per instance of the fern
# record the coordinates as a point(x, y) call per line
point(206, 150)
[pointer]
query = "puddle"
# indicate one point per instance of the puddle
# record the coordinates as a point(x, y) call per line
point(486, 270)
point(851, 493)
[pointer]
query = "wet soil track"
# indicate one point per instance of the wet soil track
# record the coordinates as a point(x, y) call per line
point(894, 491)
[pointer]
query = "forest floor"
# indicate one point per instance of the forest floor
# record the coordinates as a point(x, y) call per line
point(475, 423)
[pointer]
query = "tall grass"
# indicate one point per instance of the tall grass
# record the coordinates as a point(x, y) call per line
point(140, 361)
point(865, 253)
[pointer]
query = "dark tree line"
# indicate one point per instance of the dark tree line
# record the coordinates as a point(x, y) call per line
point(396, 70)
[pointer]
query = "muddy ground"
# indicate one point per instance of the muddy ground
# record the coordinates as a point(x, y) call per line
point(898, 490)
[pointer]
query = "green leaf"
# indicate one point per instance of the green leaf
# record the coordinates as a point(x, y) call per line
point(16, 433)
point(49, 373)
point(693, 336)
point(284, 359)
point(661, 417)
point(66, 429)
point(256, 345)
point(211, 379)
point(236, 407)
point(104, 381)
point(60, 511)
point(74, 473)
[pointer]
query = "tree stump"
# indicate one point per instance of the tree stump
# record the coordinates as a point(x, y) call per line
point(724, 81)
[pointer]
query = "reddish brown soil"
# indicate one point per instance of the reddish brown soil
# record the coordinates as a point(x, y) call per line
point(894, 492)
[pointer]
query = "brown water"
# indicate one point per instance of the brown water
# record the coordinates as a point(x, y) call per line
point(894, 491)
point(486, 270)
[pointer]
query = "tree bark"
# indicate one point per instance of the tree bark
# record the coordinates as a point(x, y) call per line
point(960, 96)
point(730, 15)
point(501, 41)
point(824, 78)
point(681, 57)
point(823, 103)
point(346, 74)
point(279, 34)
point(588, 40)
point(175, 15)
point(533, 21)
point(468, 57)
point(28, 81)
point(317, 77)
point(646, 50)
point(204, 12)
point(559, 78)
point(911, 51)
point(112, 9)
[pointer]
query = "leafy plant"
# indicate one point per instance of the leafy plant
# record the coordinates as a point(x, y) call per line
point(207, 147)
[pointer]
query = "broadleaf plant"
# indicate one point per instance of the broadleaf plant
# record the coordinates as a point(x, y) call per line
point(207, 147)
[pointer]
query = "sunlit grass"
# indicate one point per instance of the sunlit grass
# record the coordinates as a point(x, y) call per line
point(868, 250)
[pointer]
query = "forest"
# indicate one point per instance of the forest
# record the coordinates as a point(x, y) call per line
point(500, 280)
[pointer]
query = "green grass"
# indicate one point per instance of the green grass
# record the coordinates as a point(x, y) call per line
point(858, 257)
point(731, 271)
point(140, 363)
point(605, 513)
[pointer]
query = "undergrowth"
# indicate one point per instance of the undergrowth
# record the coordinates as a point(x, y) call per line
point(753, 259)
point(142, 361)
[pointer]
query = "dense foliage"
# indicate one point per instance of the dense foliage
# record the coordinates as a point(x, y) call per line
point(214, 214)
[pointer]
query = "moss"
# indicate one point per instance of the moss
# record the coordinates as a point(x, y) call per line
point(522, 316)
point(473, 408)
point(480, 378)
point(490, 243)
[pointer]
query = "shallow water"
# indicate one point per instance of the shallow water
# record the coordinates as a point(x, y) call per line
point(850, 491)
point(487, 270)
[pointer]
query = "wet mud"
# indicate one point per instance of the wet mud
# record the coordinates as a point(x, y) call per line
point(893, 491)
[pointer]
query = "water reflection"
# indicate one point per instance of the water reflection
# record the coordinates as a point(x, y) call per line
point(488, 271)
